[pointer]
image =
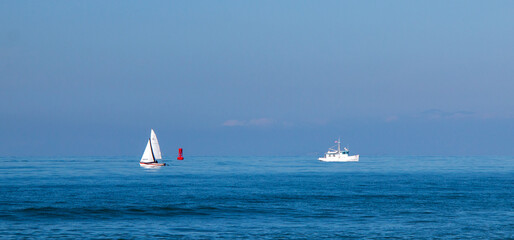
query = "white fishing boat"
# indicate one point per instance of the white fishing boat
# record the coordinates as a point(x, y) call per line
point(152, 153)
point(334, 155)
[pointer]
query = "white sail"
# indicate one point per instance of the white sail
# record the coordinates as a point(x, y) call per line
point(148, 155)
point(155, 146)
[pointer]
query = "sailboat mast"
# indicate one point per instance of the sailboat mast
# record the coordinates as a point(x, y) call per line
point(339, 145)
point(151, 149)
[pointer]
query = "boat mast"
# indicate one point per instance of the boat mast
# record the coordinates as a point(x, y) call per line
point(339, 145)
point(151, 149)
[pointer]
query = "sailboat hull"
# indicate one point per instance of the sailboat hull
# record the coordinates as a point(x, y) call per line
point(151, 164)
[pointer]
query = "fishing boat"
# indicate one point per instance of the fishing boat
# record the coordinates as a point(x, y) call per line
point(336, 155)
point(152, 153)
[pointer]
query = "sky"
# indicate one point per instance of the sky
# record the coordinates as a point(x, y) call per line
point(90, 78)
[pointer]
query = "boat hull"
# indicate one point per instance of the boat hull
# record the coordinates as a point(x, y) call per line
point(354, 158)
point(151, 164)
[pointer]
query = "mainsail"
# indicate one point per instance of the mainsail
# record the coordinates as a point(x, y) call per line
point(155, 145)
point(148, 156)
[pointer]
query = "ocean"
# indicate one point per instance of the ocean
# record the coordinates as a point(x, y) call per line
point(405, 197)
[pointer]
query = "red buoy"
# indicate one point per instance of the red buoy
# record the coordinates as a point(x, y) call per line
point(180, 154)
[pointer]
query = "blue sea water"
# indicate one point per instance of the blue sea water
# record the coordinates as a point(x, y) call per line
point(257, 198)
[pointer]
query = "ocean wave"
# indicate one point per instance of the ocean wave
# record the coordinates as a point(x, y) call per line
point(129, 211)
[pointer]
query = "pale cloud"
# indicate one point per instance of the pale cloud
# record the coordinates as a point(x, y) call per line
point(251, 122)
point(260, 122)
point(439, 114)
point(288, 124)
point(391, 118)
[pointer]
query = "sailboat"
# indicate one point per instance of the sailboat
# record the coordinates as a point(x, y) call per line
point(152, 152)
point(334, 155)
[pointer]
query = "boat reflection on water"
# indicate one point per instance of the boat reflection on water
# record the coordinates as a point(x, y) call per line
point(151, 167)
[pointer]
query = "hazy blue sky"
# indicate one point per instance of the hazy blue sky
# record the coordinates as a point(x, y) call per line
point(262, 77)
